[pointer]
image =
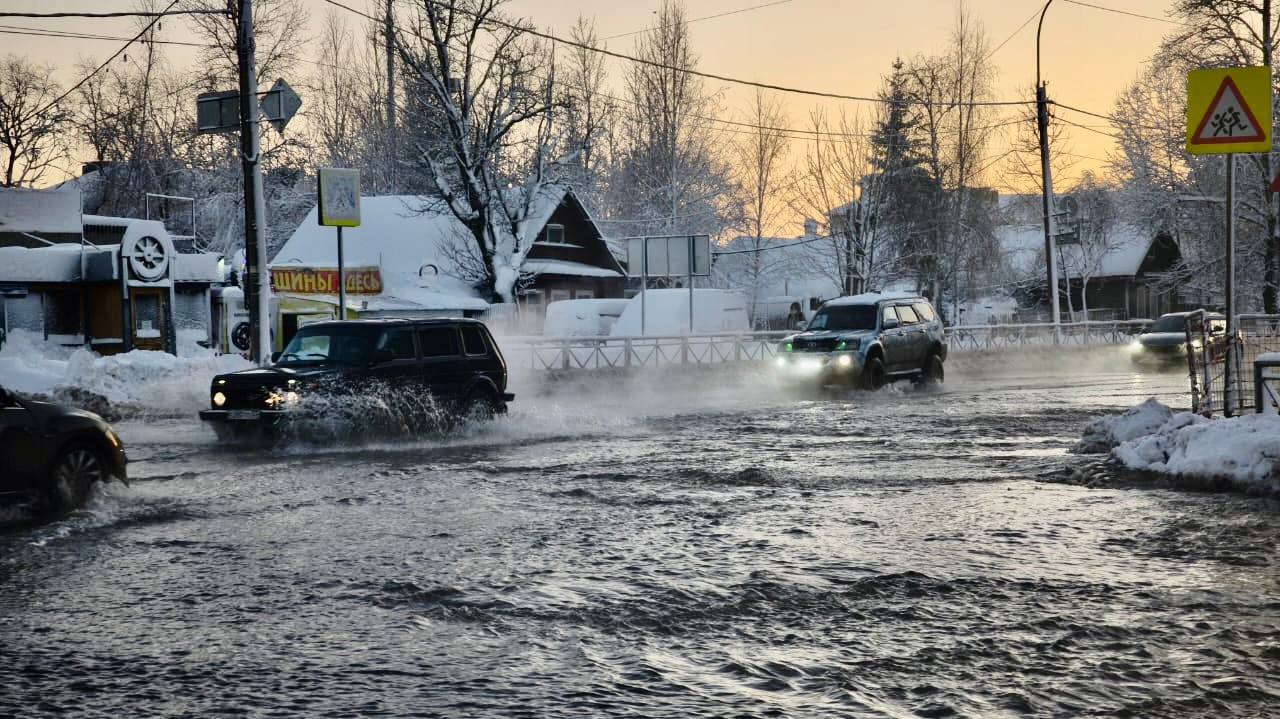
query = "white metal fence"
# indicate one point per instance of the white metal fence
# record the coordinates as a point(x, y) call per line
point(576, 353)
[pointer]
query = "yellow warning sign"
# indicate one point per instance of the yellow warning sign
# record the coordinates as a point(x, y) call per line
point(1229, 110)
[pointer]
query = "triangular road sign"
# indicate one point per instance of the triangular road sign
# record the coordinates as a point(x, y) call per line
point(1228, 119)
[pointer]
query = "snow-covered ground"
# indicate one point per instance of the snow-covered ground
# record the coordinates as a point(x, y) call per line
point(132, 383)
point(1243, 452)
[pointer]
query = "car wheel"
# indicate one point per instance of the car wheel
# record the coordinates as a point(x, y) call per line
point(873, 374)
point(480, 406)
point(75, 472)
point(933, 372)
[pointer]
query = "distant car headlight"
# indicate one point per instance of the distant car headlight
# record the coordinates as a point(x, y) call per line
point(219, 399)
point(844, 361)
point(781, 361)
point(1135, 347)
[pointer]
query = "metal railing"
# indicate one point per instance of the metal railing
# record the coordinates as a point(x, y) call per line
point(576, 353)
point(983, 337)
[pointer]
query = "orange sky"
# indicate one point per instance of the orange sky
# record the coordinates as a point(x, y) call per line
point(841, 46)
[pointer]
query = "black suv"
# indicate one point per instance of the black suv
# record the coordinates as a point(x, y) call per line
point(51, 454)
point(453, 364)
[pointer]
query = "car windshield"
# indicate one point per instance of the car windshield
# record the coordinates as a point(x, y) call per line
point(329, 344)
point(844, 317)
point(1169, 323)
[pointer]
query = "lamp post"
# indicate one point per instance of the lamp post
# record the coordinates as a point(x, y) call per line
point(1046, 183)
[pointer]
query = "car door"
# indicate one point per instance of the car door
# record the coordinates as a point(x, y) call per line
point(480, 361)
point(892, 339)
point(443, 369)
point(400, 368)
point(22, 449)
point(915, 336)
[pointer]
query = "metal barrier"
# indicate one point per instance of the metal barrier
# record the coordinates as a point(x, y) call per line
point(1209, 352)
point(568, 353)
point(573, 353)
point(977, 337)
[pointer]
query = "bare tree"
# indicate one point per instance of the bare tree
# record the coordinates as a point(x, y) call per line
point(1097, 227)
point(590, 112)
point(484, 135)
point(279, 31)
point(669, 170)
point(30, 143)
point(759, 158)
point(337, 108)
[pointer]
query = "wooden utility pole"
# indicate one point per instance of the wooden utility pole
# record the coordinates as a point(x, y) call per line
point(257, 286)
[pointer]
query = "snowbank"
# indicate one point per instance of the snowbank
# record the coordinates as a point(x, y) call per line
point(1242, 452)
point(133, 383)
point(1103, 434)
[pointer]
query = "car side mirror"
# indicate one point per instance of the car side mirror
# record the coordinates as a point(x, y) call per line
point(381, 356)
point(275, 357)
point(888, 324)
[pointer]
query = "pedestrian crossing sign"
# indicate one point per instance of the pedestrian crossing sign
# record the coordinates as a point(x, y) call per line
point(1229, 110)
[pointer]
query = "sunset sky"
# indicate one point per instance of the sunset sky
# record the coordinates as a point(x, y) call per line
point(841, 46)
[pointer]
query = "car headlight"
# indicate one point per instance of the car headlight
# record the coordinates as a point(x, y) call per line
point(844, 361)
point(219, 399)
point(781, 361)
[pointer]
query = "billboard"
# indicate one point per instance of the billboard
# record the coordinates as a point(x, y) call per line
point(669, 256)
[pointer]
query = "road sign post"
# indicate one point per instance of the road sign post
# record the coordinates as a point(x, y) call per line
point(338, 205)
point(685, 256)
point(1228, 112)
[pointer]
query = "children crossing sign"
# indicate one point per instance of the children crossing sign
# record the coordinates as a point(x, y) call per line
point(1229, 110)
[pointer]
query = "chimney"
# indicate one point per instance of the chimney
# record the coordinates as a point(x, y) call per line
point(810, 227)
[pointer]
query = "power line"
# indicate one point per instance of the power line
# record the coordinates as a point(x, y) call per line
point(1012, 35)
point(663, 66)
point(154, 19)
point(700, 19)
point(43, 32)
point(156, 15)
point(1127, 12)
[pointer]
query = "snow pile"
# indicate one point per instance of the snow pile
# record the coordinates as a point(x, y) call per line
point(1242, 452)
point(137, 382)
point(1103, 434)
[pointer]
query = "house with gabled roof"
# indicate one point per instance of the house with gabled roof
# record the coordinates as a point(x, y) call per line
point(410, 257)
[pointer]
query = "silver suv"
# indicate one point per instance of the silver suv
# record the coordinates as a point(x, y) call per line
point(867, 340)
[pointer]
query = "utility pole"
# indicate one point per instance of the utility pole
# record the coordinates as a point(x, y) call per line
point(1271, 251)
point(257, 289)
point(1046, 176)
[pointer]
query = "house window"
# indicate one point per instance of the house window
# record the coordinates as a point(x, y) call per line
point(558, 295)
point(533, 298)
point(583, 294)
point(555, 235)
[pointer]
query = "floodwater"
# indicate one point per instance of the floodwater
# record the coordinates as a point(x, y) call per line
point(700, 546)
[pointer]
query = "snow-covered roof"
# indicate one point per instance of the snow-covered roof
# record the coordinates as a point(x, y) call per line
point(202, 267)
point(40, 211)
point(396, 235)
point(1127, 247)
point(568, 268)
point(58, 263)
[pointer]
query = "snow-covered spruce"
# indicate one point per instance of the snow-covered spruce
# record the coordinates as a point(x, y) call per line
point(1241, 452)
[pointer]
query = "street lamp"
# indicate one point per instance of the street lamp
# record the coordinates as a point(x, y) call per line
point(1046, 182)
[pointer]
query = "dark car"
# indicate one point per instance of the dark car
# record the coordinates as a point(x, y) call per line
point(867, 339)
point(52, 455)
point(1164, 342)
point(454, 365)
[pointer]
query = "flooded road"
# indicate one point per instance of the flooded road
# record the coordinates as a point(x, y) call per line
point(665, 547)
